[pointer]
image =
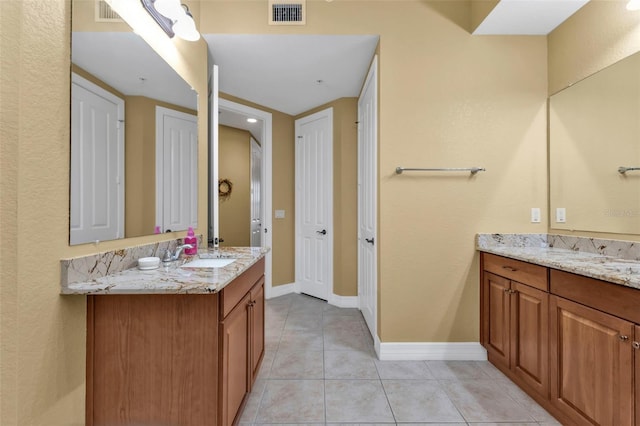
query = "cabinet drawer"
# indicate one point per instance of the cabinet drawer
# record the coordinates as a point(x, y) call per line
point(234, 292)
point(611, 298)
point(516, 270)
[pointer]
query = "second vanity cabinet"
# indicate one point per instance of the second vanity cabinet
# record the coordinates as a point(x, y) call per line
point(573, 347)
point(515, 307)
point(594, 343)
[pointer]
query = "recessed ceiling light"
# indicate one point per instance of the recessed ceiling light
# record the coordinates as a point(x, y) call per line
point(251, 120)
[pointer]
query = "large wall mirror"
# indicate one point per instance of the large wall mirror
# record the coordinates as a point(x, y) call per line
point(133, 135)
point(594, 130)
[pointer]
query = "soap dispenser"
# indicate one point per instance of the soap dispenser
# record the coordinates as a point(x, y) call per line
point(191, 239)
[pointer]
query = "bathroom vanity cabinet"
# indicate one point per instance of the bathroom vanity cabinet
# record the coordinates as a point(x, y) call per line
point(515, 329)
point(593, 347)
point(573, 347)
point(174, 359)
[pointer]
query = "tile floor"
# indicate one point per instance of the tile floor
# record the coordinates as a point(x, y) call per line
point(320, 368)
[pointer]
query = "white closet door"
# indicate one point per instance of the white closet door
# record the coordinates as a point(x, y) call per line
point(314, 204)
point(177, 170)
point(97, 163)
point(367, 199)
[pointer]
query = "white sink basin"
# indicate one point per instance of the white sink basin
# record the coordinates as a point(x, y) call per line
point(208, 263)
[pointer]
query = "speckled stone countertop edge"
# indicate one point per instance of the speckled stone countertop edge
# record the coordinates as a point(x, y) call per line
point(171, 280)
point(625, 272)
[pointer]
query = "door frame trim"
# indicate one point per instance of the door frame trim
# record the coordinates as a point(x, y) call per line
point(328, 112)
point(267, 180)
point(255, 146)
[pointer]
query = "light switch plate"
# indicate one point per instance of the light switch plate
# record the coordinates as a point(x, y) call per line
point(561, 215)
point(279, 214)
point(535, 215)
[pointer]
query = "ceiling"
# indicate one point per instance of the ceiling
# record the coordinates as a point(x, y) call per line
point(288, 73)
point(292, 73)
point(528, 17)
point(127, 63)
point(239, 121)
point(295, 73)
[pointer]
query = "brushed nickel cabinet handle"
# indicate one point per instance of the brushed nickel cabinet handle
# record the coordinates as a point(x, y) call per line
point(636, 345)
point(509, 268)
point(623, 338)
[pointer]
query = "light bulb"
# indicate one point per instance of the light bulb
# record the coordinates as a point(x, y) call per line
point(185, 28)
point(169, 8)
point(633, 5)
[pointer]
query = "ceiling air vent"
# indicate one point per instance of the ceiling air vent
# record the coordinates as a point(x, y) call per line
point(104, 13)
point(287, 12)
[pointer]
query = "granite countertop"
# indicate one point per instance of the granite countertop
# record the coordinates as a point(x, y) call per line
point(620, 271)
point(173, 279)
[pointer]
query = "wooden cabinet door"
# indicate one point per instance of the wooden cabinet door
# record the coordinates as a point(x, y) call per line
point(234, 332)
point(257, 327)
point(591, 364)
point(636, 345)
point(530, 336)
point(150, 360)
point(496, 311)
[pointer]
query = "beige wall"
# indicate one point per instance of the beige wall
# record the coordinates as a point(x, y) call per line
point(140, 166)
point(42, 334)
point(345, 194)
point(234, 148)
point(447, 99)
point(283, 242)
point(598, 35)
point(480, 9)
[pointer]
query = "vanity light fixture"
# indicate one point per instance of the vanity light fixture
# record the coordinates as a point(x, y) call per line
point(174, 18)
point(633, 5)
point(251, 120)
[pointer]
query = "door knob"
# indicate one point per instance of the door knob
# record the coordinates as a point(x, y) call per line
point(370, 241)
point(323, 232)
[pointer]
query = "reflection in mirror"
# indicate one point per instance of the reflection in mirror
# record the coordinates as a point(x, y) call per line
point(240, 205)
point(133, 139)
point(594, 129)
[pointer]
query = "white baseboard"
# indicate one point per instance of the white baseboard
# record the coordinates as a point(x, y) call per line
point(334, 299)
point(465, 351)
point(344, 301)
point(281, 290)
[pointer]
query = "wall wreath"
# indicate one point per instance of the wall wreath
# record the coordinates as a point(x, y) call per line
point(224, 189)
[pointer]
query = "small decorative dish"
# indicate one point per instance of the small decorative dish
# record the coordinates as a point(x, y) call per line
point(146, 263)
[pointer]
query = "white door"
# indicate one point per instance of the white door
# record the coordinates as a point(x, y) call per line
point(176, 170)
point(367, 198)
point(97, 163)
point(314, 204)
point(256, 194)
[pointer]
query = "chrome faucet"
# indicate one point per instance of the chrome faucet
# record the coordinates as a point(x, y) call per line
point(169, 257)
